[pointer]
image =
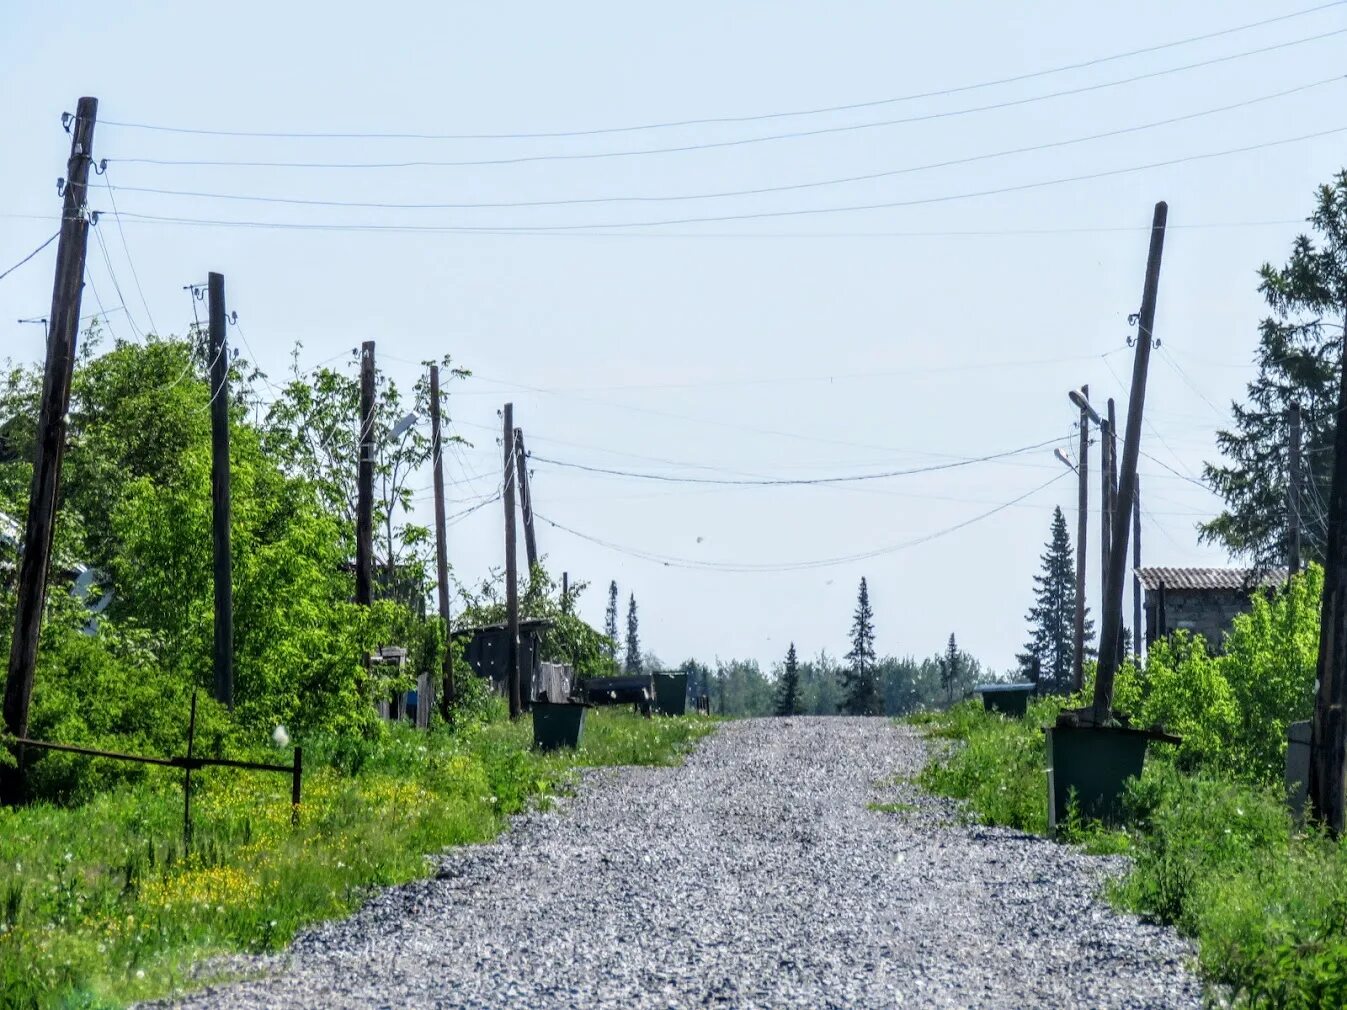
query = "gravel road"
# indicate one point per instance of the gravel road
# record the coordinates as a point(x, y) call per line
point(755, 875)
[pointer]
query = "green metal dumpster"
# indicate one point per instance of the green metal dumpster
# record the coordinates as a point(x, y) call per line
point(671, 693)
point(1095, 762)
point(558, 724)
point(1008, 699)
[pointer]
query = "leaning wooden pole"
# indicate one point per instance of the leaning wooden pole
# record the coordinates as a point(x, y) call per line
point(58, 373)
point(525, 500)
point(1110, 634)
point(447, 690)
point(1328, 734)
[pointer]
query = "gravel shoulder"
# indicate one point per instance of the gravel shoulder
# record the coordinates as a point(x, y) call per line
point(755, 875)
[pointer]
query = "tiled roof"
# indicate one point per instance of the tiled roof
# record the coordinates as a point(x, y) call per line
point(1210, 578)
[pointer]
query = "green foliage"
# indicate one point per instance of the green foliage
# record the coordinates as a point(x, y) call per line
point(1267, 905)
point(100, 905)
point(1299, 361)
point(998, 764)
point(1233, 709)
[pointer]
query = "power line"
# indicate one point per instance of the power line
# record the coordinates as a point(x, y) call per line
point(792, 481)
point(722, 194)
point(1191, 480)
point(742, 141)
point(1189, 382)
point(748, 216)
point(135, 275)
point(913, 233)
point(724, 120)
point(103, 248)
point(21, 262)
point(771, 567)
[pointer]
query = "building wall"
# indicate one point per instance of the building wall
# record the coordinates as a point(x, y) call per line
point(1205, 612)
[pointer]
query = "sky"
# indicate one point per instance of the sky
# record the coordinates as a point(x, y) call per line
point(934, 312)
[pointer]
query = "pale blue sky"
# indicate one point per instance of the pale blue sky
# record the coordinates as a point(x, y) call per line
point(780, 346)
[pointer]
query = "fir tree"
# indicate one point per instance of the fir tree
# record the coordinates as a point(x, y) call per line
point(633, 640)
point(1052, 619)
point(860, 683)
point(610, 624)
point(1299, 360)
point(789, 701)
point(951, 668)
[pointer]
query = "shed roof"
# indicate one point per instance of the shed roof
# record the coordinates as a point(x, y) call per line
point(1211, 578)
point(525, 624)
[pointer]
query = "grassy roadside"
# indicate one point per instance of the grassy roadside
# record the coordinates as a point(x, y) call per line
point(99, 905)
point(1265, 900)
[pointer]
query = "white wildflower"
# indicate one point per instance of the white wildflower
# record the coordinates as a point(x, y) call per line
point(280, 737)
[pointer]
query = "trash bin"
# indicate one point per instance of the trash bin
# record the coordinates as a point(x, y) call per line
point(1096, 762)
point(671, 693)
point(557, 725)
point(1008, 699)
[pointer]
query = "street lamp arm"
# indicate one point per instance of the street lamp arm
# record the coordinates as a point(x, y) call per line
point(1080, 401)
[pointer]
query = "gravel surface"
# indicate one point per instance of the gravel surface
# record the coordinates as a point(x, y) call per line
point(755, 875)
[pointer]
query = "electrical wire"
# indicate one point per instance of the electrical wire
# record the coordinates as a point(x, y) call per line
point(747, 216)
point(711, 144)
point(771, 567)
point(722, 194)
point(792, 481)
point(1189, 382)
point(107, 260)
point(102, 313)
point(135, 275)
point(54, 237)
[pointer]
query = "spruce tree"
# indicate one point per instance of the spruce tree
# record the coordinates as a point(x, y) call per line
point(610, 624)
point(951, 667)
point(1052, 618)
point(789, 701)
point(1299, 359)
point(633, 640)
point(860, 683)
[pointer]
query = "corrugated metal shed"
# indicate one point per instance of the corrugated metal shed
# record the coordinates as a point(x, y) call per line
point(1210, 578)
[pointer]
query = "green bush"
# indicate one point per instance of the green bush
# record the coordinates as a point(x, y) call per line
point(999, 767)
point(1267, 904)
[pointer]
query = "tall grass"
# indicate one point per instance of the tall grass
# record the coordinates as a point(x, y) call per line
point(101, 904)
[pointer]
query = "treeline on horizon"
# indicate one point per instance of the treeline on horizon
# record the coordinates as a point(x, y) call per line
point(907, 684)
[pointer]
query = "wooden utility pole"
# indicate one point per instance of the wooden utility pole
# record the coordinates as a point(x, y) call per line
point(525, 500)
point(364, 507)
point(1328, 734)
point(565, 592)
point(1082, 527)
point(1110, 636)
point(219, 491)
point(58, 373)
point(1116, 519)
point(1293, 493)
point(447, 691)
point(1105, 509)
point(1136, 577)
point(511, 580)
